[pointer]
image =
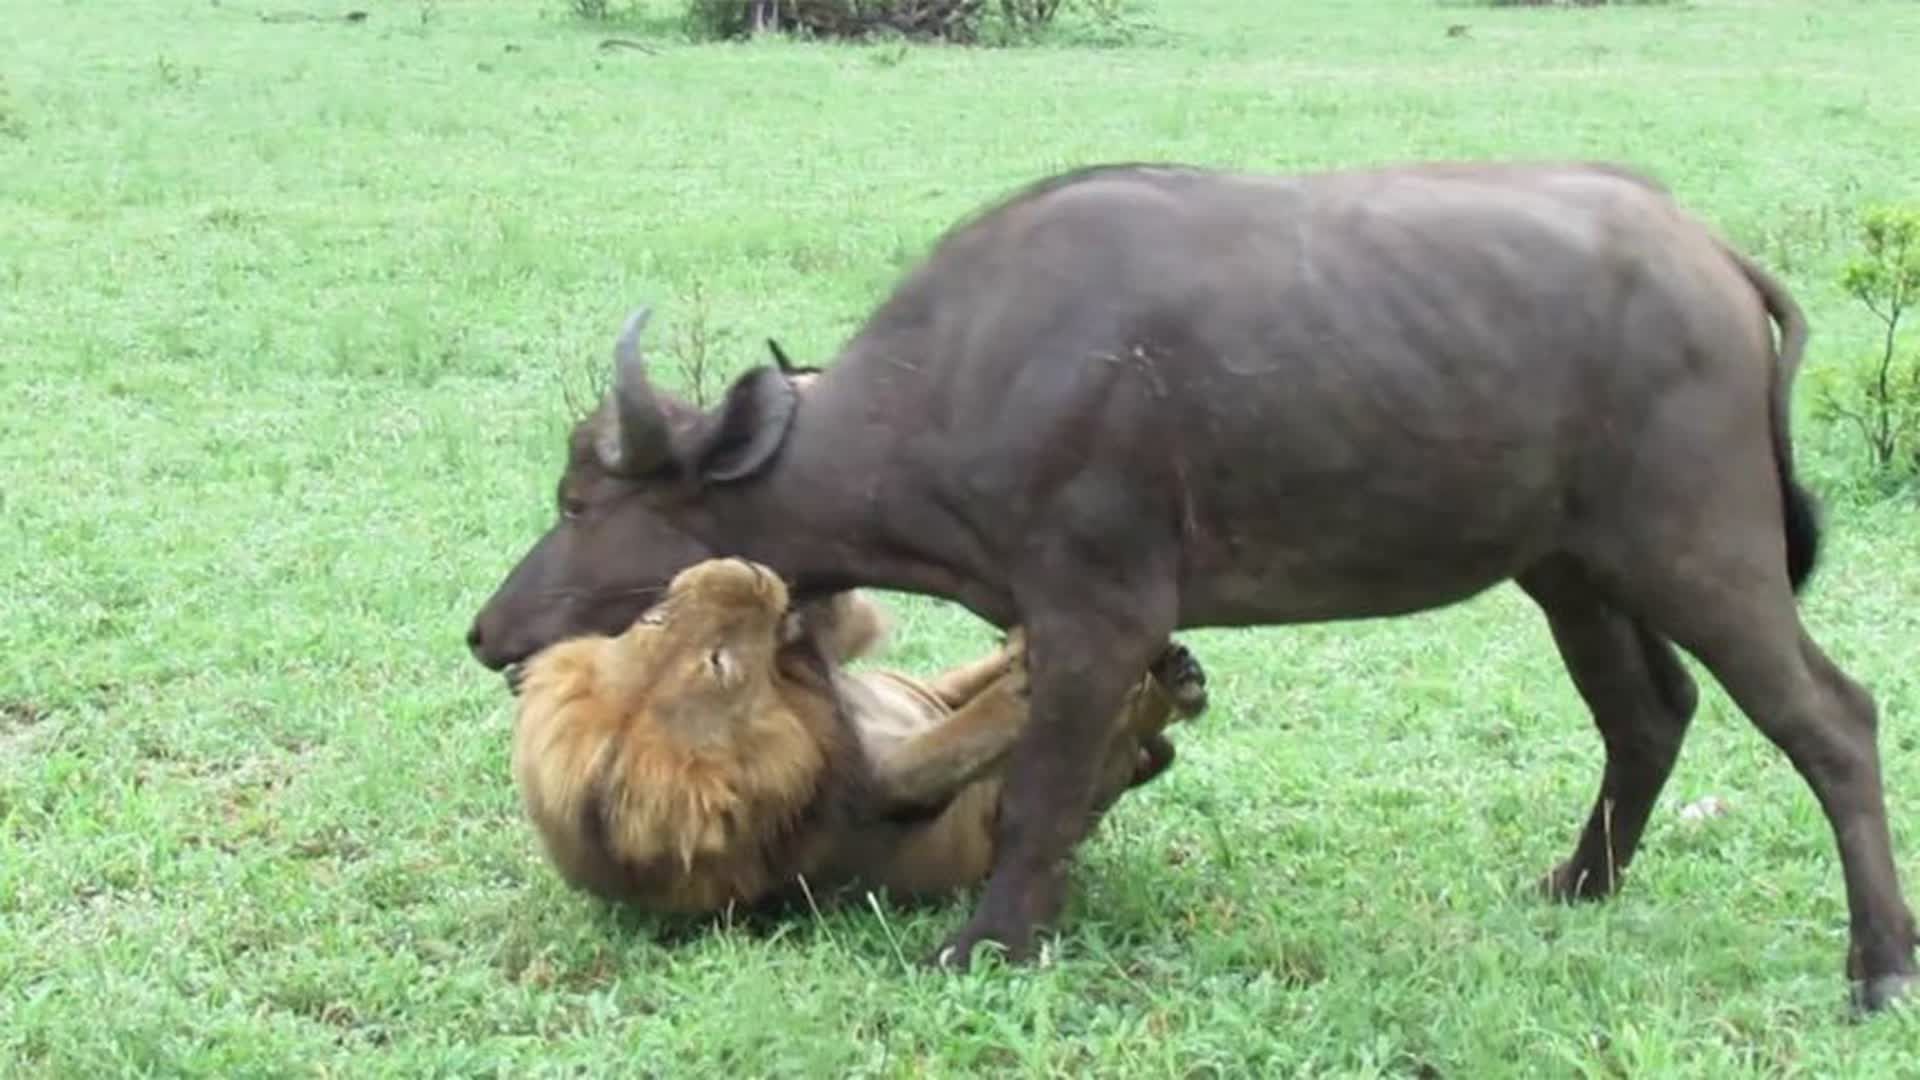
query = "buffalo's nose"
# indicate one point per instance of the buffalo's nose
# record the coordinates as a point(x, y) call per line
point(476, 640)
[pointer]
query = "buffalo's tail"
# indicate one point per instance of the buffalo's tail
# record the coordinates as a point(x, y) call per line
point(1800, 510)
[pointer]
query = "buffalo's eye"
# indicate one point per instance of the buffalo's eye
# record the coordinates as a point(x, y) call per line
point(572, 506)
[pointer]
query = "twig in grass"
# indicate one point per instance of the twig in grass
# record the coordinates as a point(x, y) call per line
point(818, 919)
point(892, 941)
point(628, 43)
point(1606, 819)
point(694, 344)
point(308, 16)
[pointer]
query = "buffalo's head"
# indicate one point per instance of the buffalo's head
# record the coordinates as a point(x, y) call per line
point(634, 466)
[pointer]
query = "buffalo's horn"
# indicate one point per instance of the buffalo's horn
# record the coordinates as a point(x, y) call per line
point(641, 428)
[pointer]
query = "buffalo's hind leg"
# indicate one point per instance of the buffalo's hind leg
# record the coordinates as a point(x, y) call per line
point(1641, 699)
point(1082, 657)
point(1827, 725)
point(1726, 599)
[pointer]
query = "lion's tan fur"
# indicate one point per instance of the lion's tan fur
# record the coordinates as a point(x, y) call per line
point(652, 780)
point(684, 808)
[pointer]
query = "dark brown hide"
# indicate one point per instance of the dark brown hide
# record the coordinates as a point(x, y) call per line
point(606, 559)
point(1135, 398)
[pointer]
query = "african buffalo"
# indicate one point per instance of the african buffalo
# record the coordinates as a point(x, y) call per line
point(1133, 398)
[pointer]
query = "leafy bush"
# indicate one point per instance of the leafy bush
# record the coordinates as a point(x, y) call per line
point(958, 21)
point(953, 20)
point(1878, 395)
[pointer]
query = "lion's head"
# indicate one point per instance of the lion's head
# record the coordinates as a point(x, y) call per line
point(670, 765)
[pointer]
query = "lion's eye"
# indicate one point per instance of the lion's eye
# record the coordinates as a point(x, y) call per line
point(720, 663)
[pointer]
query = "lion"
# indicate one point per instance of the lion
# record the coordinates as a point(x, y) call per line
point(717, 753)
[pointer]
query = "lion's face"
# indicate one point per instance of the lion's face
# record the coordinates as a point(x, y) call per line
point(659, 761)
point(703, 659)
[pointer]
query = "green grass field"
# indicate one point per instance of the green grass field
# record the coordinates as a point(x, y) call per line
point(290, 314)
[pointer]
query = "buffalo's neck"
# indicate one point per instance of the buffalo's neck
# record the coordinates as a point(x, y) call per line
point(828, 516)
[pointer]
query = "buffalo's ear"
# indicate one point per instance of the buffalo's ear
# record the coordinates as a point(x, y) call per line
point(785, 363)
point(745, 433)
point(780, 358)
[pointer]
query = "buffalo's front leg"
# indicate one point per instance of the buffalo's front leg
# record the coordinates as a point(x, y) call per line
point(1080, 667)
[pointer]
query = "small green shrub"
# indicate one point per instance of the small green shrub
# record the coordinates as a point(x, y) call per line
point(12, 124)
point(1878, 395)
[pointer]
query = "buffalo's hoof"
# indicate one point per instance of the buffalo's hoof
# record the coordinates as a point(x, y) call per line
point(1566, 885)
point(1876, 994)
point(1180, 673)
point(956, 953)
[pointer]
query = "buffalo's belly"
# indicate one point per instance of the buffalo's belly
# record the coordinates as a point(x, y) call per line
point(1319, 527)
point(1288, 585)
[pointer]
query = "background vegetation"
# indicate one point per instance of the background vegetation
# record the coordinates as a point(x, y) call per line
point(958, 21)
point(288, 306)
